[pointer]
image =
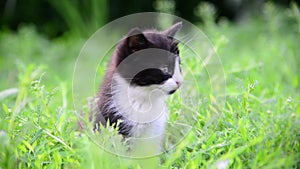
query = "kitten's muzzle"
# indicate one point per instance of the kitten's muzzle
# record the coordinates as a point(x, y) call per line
point(178, 83)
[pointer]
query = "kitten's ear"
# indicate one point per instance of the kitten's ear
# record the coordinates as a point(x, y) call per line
point(136, 40)
point(172, 31)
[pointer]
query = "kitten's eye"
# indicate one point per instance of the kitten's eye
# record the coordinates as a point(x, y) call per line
point(165, 69)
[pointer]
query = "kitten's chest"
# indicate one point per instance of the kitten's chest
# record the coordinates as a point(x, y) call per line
point(147, 114)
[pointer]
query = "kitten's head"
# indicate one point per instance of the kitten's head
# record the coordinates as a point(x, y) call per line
point(150, 59)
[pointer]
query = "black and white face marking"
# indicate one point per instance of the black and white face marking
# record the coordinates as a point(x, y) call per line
point(151, 60)
point(154, 68)
point(158, 76)
point(174, 82)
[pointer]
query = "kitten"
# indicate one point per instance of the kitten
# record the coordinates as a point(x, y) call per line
point(143, 71)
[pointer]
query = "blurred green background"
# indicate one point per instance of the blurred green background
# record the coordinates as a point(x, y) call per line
point(257, 41)
point(54, 17)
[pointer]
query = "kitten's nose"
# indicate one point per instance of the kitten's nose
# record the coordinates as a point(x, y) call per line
point(178, 83)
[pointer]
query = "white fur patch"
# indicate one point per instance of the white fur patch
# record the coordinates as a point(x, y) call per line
point(146, 110)
point(140, 105)
point(177, 76)
point(176, 80)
